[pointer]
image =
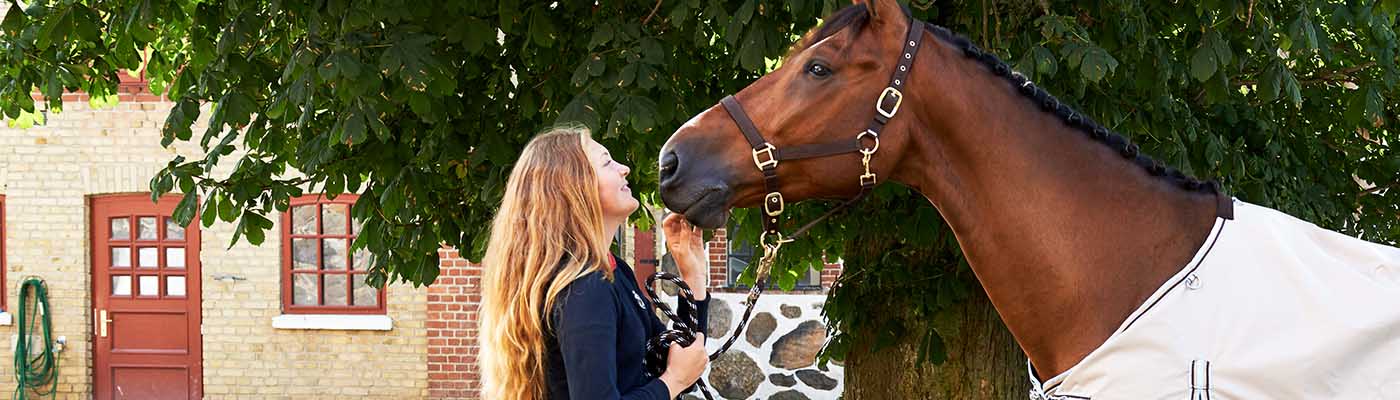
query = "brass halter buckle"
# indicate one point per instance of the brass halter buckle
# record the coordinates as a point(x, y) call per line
point(767, 151)
point(880, 103)
point(773, 199)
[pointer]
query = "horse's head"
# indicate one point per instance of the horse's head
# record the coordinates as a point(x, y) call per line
point(826, 90)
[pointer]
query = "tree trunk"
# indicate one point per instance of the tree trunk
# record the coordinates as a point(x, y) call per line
point(984, 361)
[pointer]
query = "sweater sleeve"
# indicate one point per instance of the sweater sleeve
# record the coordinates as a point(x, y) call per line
point(587, 324)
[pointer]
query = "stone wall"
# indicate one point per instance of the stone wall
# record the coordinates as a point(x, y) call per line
point(775, 358)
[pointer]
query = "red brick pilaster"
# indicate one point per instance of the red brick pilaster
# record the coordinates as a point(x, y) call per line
point(453, 301)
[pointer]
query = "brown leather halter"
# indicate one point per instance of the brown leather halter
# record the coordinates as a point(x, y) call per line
point(766, 157)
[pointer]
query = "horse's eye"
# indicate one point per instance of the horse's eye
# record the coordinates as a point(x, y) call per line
point(818, 70)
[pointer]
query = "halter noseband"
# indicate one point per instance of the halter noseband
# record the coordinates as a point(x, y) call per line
point(766, 155)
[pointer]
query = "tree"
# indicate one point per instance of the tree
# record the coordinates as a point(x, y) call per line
point(422, 110)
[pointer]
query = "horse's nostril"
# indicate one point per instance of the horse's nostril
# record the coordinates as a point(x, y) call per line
point(668, 165)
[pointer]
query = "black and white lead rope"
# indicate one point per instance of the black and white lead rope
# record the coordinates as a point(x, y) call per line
point(683, 330)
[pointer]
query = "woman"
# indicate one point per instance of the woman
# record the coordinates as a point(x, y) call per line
point(561, 317)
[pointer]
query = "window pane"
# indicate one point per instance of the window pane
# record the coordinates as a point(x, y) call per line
point(174, 257)
point(304, 219)
point(121, 285)
point(365, 295)
point(173, 231)
point(303, 254)
point(335, 290)
point(333, 254)
point(121, 228)
point(304, 289)
point(174, 286)
point(121, 257)
point(333, 218)
point(362, 260)
point(146, 228)
point(149, 285)
point(147, 257)
point(355, 227)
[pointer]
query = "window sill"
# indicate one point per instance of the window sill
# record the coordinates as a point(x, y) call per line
point(333, 322)
point(6, 319)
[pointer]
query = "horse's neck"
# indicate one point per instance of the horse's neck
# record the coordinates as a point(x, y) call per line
point(1065, 235)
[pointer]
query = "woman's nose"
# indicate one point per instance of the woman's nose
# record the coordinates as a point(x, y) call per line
point(625, 170)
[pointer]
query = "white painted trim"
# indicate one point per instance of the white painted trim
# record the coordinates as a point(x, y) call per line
point(336, 322)
point(6, 318)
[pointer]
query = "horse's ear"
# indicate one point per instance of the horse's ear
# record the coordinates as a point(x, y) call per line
point(881, 9)
point(869, 6)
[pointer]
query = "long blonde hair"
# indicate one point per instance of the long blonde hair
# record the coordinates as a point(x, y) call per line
point(548, 232)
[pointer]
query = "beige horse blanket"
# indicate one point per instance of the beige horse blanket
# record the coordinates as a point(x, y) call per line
point(1271, 307)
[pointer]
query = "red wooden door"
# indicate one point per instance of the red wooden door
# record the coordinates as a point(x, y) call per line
point(146, 288)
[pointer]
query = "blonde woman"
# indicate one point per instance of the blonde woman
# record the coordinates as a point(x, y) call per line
point(561, 317)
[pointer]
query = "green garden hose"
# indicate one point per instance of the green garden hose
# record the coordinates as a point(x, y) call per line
point(35, 373)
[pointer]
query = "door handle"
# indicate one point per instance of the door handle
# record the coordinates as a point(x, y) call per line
point(102, 322)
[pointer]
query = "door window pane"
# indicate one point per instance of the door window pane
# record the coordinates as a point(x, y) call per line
point(121, 285)
point(146, 228)
point(174, 286)
point(148, 257)
point(173, 231)
point(149, 285)
point(121, 257)
point(174, 257)
point(121, 228)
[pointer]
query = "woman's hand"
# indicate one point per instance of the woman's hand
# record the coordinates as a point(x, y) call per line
point(687, 246)
point(684, 365)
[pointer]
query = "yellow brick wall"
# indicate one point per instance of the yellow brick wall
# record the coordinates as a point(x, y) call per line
point(48, 172)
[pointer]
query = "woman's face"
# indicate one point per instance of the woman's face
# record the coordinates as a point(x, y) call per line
point(616, 198)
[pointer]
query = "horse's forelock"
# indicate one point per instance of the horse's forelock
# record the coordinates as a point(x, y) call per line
point(854, 16)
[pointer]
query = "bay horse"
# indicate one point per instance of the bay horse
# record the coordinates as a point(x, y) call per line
point(1073, 233)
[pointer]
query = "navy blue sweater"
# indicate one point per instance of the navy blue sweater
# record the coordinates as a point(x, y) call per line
point(599, 339)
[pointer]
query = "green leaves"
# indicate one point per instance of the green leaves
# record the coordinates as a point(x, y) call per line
point(1276, 80)
point(601, 36)
point(1097, 64)
point(1211, 55)
point(541, 28)
point(1365, 107)
point(55, 28)
point(14, 20)
point(477, 34)
point(1303, 33)
point(184, 211)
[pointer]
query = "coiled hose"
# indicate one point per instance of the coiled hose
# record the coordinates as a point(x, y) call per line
point(36, 373)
